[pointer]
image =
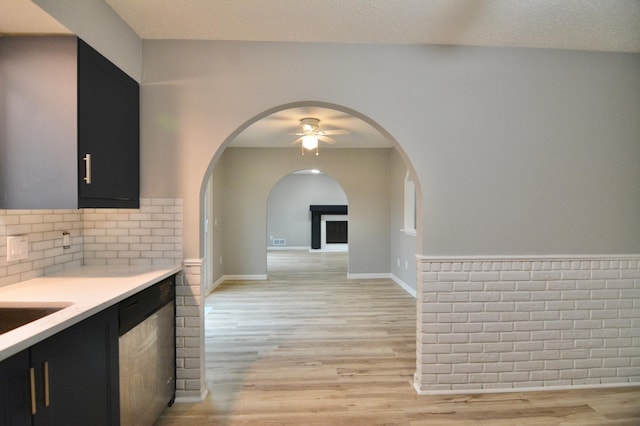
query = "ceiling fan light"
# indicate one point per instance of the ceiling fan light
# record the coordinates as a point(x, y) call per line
point(309, 142)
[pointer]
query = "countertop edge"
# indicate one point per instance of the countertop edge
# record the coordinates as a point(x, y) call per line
point(24, 337)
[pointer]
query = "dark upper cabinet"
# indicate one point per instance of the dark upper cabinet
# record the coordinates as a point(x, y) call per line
point(59, 101)
point(108, 133)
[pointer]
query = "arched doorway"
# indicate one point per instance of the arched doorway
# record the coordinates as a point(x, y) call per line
point(293, 229)
point(240, 179)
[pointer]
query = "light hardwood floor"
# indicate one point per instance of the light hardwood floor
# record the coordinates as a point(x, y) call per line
point(310, 347)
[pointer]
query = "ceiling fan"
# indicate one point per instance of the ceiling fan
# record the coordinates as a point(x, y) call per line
point(311, 134)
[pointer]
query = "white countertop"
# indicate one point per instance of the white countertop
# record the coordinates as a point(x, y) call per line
point(85, 291)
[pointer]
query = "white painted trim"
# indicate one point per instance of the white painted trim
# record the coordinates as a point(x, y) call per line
point(404, 285)
point(368, 276)
point(422, 392)
point(409, 232)
point(277, 248)
point(333, 248)
point(518, 258)
point(392, 277)
point(190, 397)
point(216, 284)
point(257, 277)
point(193, 262)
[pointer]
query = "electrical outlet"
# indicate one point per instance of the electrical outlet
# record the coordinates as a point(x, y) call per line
point(66, 240)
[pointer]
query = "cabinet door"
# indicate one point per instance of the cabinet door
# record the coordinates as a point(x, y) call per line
point(15, 407)
point(108, 130)
point(77, 374)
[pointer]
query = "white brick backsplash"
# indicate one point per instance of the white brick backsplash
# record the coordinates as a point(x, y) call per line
point(106, 237)
point(126, 236)
point(44, 229)
point(529, 322)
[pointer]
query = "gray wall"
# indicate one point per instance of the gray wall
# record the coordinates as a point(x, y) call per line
point(403, 246)
point(251, 173)
point(517, 151)
point(38, 123)
point(288, 214)
point(96, 23)
point(214, 268)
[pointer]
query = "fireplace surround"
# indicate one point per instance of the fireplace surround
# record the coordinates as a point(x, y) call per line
point(317, 211)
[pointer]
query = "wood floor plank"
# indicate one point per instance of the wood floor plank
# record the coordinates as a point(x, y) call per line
point(311, 347)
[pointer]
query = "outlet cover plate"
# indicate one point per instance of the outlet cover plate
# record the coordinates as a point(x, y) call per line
point(17, 247)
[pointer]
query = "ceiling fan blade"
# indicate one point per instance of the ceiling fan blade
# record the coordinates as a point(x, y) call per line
point(336, 132)
point(296, 141)
point(327, 139)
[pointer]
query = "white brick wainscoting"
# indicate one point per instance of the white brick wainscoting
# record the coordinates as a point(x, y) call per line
point(498, 323)
point(190, 361)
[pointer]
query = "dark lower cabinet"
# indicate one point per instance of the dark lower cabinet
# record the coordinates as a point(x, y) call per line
point(14, 390)
point(75, 377)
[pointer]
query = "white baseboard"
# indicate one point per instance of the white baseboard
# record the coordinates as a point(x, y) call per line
point(224, 278)
point(256, 277)
point(368, 276)
point(217, 283)
point(392, 277)
point(340, 248)
point(277, 248)
point(404, 285)
point(189, 397)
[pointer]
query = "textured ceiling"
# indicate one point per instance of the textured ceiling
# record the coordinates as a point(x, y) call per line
point(24, 17)
point(608, 25)
point(601, 25)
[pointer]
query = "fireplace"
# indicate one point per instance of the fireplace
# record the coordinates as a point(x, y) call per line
point(329, 227)
point(336, 231)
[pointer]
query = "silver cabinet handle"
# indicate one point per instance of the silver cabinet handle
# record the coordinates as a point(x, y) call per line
point(87, 175)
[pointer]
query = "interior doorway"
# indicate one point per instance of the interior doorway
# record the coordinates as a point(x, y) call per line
point(243, 253)
point(293, 242)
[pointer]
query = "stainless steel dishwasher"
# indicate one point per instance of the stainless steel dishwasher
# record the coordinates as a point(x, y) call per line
point(147, 353)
